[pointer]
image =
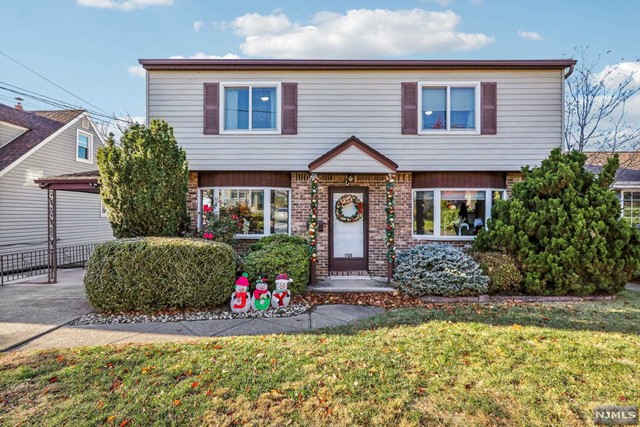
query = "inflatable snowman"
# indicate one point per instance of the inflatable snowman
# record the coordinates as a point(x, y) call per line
point(261, 296)
point(240, 299)
point(281, 296)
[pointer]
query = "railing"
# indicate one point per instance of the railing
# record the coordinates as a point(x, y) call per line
point(21, 265)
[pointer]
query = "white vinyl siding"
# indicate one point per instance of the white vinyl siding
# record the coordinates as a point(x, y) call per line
point(333, 105)
point(23, 206)
point(8, 133)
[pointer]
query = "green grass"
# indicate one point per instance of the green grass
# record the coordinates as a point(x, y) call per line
point(498, 365)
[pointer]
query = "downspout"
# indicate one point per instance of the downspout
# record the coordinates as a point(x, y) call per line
point(571, 67)
point(563, 142)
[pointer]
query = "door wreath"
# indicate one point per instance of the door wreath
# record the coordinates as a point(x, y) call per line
point(346, 200)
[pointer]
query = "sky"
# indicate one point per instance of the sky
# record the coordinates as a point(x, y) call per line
point(90, 49)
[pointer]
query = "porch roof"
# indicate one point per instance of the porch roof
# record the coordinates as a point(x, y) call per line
point(353, 156)
point(84, 182)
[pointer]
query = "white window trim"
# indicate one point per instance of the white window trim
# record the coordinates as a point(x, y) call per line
point(437, 197)
point(267, 208)
point(449, 85)
point(250, 85)
point(90, 148)
point(103, 210)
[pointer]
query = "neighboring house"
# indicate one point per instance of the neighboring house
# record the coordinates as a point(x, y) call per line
point(454, 133)
point(627, 182)
point(36, 144)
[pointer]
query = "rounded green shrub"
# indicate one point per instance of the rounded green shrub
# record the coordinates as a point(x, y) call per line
point(436, 269)
point(504, 275)
point(153, 273)
point(275, 258)
point(279, 238)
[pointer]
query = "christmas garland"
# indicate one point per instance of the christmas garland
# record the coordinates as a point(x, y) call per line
point(313, 220)
point(391, 217)
point(346, 200)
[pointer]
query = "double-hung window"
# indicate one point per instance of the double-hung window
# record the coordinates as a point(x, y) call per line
point(449, 107)
point(631, 207)
point(452, 213)
point(84, 147)
point(260, 211)
point(250, 108)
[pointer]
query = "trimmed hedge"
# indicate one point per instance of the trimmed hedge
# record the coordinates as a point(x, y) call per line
point(279, 238)
point(436, 269)
point(153, 273)
point(504, 275)
point(280, 256)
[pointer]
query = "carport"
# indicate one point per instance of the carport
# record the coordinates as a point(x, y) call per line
point(82, 182)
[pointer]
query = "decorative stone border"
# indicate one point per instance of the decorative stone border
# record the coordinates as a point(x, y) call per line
point(503, 298)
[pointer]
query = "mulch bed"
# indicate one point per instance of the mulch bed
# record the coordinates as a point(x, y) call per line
point(377, 299)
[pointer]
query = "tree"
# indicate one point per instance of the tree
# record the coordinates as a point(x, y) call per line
point(563, 225)
point(144, 182)
point(597, 115)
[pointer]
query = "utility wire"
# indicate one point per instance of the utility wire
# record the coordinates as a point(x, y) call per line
point(53, 83)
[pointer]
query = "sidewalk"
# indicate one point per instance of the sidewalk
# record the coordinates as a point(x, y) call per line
point(320, 316)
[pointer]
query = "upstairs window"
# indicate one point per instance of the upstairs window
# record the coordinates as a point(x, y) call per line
point(251, 108)
point(84, 147)
point(448, 108)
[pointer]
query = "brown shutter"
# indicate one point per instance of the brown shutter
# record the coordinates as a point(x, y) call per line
point(211, 109)
point(488, 113)
point(289, 108)
point(410, 108)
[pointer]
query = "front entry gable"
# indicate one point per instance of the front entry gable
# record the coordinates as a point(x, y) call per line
point(353, 156)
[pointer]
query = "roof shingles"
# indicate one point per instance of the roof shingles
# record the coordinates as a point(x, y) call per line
point(39, 124)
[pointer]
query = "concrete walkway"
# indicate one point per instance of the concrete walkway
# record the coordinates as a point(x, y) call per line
point(321, 316)
point(34, 314)
point(633, 286)
point(31, 307)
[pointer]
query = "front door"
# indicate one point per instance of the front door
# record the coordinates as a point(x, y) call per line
point(348, 227)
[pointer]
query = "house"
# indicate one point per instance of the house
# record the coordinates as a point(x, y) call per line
point(627, 182)
point(365, 157)
point(36, 144)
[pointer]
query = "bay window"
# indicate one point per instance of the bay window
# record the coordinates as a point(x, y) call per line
point(446, 108)
point(452, 213)
point(261, 211)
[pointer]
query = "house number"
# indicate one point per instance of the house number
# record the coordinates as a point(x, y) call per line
point(347, 255)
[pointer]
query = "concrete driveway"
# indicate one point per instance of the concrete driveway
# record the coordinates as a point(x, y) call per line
point(32, 307)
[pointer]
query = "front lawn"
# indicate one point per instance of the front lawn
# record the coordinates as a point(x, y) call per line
point(500, 365)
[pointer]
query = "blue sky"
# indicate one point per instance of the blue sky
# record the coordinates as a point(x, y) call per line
point(91, 47)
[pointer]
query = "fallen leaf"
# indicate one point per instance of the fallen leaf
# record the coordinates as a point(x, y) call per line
point(176, 402)
point(60, 358)
point(53, 380)
point(217, 347)
point(209, 392)
point(124, 423)
point(100, 404)
point(111, 418)
point(195, 384)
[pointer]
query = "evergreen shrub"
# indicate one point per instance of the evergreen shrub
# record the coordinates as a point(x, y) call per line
point(438, 269)
point(563, 225)
point(153, 273)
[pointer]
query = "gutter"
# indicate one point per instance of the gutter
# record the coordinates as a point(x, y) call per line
point(571, 67)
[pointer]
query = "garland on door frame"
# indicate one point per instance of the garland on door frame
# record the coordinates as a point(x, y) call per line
point(313, 220)
point(346, 200)
point(391, 217)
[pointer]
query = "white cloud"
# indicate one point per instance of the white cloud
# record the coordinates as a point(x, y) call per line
point(360, 33)
point(202, 55)
point(477, 2)
point(136, 71)
point(615, 74)
point(197, 26)
point(530, 35)
point(126, 5)
point(116, 127)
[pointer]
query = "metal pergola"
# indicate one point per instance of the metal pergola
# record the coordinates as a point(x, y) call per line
point(81, 182)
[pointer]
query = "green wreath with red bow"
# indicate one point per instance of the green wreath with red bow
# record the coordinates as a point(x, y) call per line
point(346, 200)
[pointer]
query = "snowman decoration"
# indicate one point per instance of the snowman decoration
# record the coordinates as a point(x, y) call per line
point(261, 296)
point(281, 296)
point(240, 299)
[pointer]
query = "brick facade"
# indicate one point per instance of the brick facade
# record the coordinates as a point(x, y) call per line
point(511, 178)
point(376, 184)
point(192, 199)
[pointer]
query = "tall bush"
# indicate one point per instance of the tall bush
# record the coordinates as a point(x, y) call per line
point(563, 225)
point(144, 182)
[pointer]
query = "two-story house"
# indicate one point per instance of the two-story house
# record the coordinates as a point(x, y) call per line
point(361, 156)
point(36, 144)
